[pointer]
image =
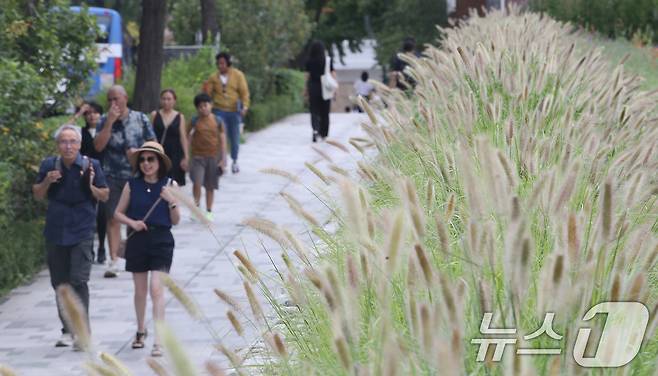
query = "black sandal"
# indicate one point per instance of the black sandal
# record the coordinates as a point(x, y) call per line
point(138, 343)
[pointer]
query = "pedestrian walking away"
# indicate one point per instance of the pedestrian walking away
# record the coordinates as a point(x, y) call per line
point(398, 78)
point(92, 112)
point(118, 135)
point(316, 66)
point(364, 89)
point(171, 132)
point(72, 184)
point(230, 99)
point(208, 144)
point(148, 206)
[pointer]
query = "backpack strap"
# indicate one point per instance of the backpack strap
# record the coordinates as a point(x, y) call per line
point(86, 163)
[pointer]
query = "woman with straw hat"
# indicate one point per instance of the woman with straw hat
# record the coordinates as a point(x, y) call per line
point(148, 207)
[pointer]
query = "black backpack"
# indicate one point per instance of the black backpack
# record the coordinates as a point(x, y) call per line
point(85, 173)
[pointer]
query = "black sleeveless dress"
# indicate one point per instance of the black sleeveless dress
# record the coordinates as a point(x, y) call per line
point(171, 144)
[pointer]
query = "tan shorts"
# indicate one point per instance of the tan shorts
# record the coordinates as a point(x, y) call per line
point(204, 171)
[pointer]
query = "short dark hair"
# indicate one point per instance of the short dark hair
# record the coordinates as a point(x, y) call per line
point(95, 107)
point(409, 44)
point(162, 168)
point(364, 76)
point(224, 55)
point(201, 98)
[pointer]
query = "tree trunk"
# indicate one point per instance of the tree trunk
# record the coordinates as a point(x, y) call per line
point(209, 27)
point(150, 55)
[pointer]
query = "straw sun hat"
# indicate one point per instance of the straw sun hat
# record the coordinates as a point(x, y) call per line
point(153, 147)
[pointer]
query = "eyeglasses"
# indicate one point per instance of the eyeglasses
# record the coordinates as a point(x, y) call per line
point(68, 142)
point(147, 159)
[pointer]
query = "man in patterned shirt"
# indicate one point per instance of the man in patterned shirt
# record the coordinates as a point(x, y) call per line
point(118, 135)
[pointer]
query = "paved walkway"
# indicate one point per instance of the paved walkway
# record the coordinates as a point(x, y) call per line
point(28, 318)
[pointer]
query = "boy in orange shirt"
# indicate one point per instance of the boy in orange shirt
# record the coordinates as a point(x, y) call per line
point(208, 150)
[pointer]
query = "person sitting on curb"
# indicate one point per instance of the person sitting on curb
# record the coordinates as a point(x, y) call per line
point(72, 184)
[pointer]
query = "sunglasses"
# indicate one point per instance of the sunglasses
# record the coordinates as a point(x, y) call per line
point(150, 159)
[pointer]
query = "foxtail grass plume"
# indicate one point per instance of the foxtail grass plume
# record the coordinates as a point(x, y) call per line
point(297, 246)
point(156, 367)
point(74, 314)
point(226, 298)
point(244, 260)
point(337, 145)
point(282, 173)
point(394, 241)
point(343, 353)
point(182, 297)
point(180, 362)
point(299, 209)
point(115, 364)
point(358, 147)
point(364, 105)
point(235, 360)
point(424, 264)
point(267, 228)
point(256, 308)
point(189, 203)
point(235, 323)
point(324, 155)
point(317, 173)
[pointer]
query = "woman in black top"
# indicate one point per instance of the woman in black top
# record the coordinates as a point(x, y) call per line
point(315, 67)
point(171, 133)
point(92, 112)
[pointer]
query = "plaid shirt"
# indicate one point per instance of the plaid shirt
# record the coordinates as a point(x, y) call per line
point(128, 133)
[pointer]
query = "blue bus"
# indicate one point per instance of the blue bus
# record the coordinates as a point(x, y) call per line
point(109, 46)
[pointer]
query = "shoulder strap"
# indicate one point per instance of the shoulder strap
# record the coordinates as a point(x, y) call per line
point(58, 163)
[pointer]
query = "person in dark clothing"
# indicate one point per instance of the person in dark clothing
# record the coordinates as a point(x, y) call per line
point(72, 184)
point(171, 133)
point(92, 112)
point(315, 68)
point(397, 77)
point(150, 209)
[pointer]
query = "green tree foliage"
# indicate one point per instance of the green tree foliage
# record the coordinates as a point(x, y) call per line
point(263, 34)
point(613, 18)
point(45, 38)
point(386, 21)
point(339, 21)
point(43, 46)
point(185, 20)
point(405, 18)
